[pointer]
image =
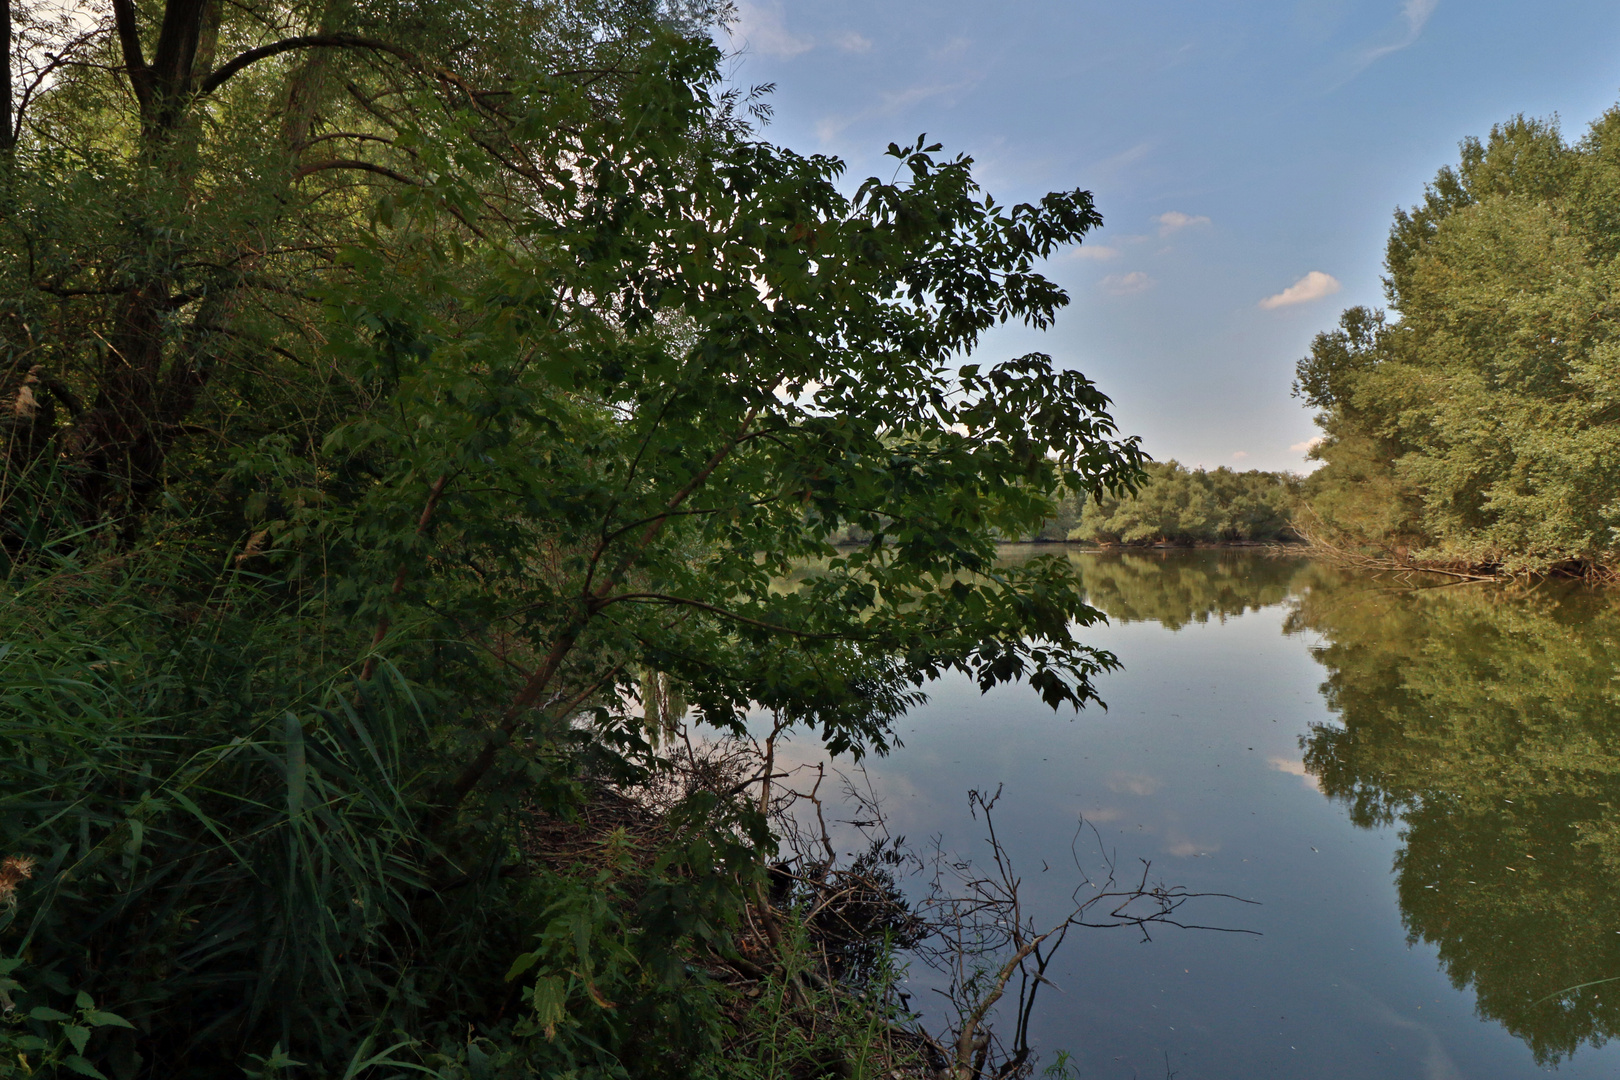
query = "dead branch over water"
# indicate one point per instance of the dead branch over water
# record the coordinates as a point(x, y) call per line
point(831, 931)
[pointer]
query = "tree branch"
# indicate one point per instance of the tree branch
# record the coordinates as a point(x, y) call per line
point(129, 41)
point(276, 48)
point(399, 578)
point(350, 163)
point(593, 601)
point(681, 601)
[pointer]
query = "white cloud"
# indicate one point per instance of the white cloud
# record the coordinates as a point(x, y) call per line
point(1240, 455)
point(852, 42)
point(1313, 286)
point(1133, 783)
point(1175, 221)
point(761, 28)
point(1295, 768)
point(1095, 252)
point(1308, 445)
point(1125, 284)
point(1415, 14)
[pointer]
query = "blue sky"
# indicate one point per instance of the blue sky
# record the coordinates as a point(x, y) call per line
point(1247, 157)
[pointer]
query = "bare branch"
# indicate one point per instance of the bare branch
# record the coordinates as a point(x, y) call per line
point(307, 41)
point(351, 163)
point(129, 41)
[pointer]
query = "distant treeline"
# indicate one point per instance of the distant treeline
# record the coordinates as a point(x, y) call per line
point(1177, 505)
point(1172, 505)
point(1477, 421)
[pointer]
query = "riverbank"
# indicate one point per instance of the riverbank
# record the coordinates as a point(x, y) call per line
point(1167, 545)
point(1592, 571)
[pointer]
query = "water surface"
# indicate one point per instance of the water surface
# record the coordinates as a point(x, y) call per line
point(1420, 787)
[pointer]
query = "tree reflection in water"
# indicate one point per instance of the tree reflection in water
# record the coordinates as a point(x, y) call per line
point(1178, 586)
point(1484, 720)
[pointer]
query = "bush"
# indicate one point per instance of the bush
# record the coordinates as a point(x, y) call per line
point(1188, 506)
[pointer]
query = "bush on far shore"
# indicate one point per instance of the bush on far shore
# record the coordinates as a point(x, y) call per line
point(1178, 505)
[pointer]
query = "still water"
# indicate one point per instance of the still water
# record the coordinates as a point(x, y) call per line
point(1419, 786)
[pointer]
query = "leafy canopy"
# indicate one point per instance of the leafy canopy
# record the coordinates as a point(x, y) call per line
point(354, 504)
point(1480, 425)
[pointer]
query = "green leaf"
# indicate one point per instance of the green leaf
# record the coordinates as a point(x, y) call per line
point(297, 765)
point(45, 1012)
point(549, 998)
point(522, 964)
point(77, 1064)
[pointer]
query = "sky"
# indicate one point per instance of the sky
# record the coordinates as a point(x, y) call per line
point(1247, 158)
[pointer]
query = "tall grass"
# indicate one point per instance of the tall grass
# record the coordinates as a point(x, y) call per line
point(238, 851)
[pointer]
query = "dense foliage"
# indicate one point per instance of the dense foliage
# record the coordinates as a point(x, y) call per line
point(1178, 505)
point(1479, 424)
point(404, 406)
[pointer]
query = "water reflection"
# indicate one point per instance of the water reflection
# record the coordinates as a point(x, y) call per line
point(1484, 721)
point(1177, 587)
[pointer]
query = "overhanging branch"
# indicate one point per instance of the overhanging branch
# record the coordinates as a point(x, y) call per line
point(307, 41)
point(682, 601)
point(354, 163)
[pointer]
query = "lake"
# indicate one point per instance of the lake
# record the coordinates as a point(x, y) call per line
point(1418, 785)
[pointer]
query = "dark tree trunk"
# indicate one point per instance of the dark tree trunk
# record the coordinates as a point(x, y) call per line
point(7, 126)
point(147, 385)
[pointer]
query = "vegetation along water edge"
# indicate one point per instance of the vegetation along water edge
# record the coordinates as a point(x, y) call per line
point(411, 414)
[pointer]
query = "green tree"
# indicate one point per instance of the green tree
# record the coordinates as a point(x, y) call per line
point(1479, 427)
point(1178, 505)
point(557, 406)
point(186, 174)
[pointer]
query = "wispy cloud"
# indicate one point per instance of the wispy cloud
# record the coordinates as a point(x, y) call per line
point(1308, 445)
point(1175, 221)
point(1437, 1063)
point(890, 104)
point(1240, 455)
point(1114, 164)
point(1133, 783)
point(1126, 284)
point(1414, 16)
point(762, 28)
point(851, 42)
point(1095, 252)
point(1313, 286)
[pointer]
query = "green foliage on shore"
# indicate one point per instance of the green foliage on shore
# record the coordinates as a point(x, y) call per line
point(393, 401)
point(1477, 420)
point(1177, 505)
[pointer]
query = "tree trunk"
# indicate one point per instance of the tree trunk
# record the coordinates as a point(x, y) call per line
point(7, 125)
